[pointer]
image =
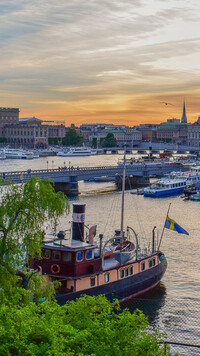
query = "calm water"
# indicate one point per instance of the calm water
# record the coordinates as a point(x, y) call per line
point(174, 306)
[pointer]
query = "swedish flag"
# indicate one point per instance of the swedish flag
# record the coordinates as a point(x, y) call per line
point(172, 225)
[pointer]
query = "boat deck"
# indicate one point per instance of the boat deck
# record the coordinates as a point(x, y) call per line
point(111, 262)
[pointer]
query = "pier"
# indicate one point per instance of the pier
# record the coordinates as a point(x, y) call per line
point(66, 179)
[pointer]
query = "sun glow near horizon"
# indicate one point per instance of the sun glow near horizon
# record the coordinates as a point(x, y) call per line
point(108, 62)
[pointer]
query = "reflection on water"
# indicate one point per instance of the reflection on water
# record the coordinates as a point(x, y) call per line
point(150, 303)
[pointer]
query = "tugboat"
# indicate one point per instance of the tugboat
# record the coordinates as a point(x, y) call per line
point(83, 267)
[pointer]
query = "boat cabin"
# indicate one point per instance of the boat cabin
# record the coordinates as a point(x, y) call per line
point(67, 258)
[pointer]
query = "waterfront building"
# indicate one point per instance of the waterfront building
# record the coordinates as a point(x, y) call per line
point(148, 131)
point(166, 130)
point(88, 131)
point(29, 132)
point(126, 135)
point(57, 131)
point(8, 116)
point(194, 133)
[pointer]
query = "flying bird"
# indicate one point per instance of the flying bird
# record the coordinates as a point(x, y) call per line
point(164, 102)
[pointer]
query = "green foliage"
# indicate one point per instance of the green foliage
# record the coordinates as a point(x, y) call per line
point(72, 138)
point(94, 142)
point(23, 210)
point(109, 141)
point(53, 140)
point(90, 326)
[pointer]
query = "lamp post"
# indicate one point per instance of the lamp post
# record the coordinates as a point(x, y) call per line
point(47, 164)
point(52, 164)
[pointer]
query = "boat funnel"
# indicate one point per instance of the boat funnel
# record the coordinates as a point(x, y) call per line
point(78, 222)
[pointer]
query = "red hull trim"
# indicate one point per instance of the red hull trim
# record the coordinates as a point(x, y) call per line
point(137, 294)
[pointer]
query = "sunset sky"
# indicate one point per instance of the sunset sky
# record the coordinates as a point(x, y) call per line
point(108, 61)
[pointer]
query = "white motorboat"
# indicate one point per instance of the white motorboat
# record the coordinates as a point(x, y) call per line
point(166, 186)
point(193, 175)
point(77, 151)
point(2, 155)
point(19, 154)
point(63, 152)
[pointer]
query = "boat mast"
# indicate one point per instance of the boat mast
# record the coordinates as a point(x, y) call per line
point(123, 189)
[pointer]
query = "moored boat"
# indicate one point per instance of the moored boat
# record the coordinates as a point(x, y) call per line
point(118, 269)
point(19, 154)
point(2, 155)
point(77, 151)
point(166, 186)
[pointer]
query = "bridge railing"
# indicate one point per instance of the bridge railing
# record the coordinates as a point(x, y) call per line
point(138, 169)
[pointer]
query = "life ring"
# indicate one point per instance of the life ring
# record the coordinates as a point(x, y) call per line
point(55, 269)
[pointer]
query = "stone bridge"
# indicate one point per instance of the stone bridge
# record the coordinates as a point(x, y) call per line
point(66, 179)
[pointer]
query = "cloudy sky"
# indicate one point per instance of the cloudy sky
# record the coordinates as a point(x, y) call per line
point(114, 61)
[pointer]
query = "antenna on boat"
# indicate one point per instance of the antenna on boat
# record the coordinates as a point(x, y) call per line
point(164, 227)
point(123, 189)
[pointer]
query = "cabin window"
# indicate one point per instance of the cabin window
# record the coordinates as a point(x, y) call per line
point(130, 270)
point(122, 273)
point(143, 266)
point(56, 255)
point(67, 256)
point(150, 264)
point(89, 255)
point(79, 256)
point(126, 272)
point(154, 262)
point(92, 282)
point(46, 254)
point(107, 277)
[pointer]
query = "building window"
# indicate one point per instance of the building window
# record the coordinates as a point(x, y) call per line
point(130, 270)
point(88, 255)
point(79, 256)
point(143, 266)
point(126, 272)
point(150, 264)
point(122, 273)
point(67, 256)
point(92, 282)
point(154, 262)
point(107, 277)
point(56, 255)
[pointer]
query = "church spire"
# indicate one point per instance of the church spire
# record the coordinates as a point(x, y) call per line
point(184, 117)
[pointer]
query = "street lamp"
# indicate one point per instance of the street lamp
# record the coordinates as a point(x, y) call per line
point(47, 164)
point(52, 164)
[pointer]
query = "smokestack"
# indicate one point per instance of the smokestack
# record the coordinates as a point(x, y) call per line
point(78, 222)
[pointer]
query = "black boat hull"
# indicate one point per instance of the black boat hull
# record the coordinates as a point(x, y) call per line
point(122, 289)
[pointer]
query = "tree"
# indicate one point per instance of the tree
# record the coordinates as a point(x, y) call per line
point(23, 210)
point(72, 138)
point(109, 141)
point(94, 142)
point(53, 140)
point(91, 326)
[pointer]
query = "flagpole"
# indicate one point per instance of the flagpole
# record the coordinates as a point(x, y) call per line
point(164, 227)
